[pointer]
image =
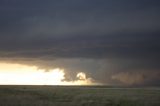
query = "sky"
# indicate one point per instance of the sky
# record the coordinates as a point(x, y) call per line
point(109, 42)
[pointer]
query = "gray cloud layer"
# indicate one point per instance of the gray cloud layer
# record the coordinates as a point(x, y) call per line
point(109, 40)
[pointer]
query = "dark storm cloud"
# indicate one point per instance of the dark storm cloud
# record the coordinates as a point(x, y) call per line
point(114, 38)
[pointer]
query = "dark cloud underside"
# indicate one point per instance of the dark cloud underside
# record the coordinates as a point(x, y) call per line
point(113, 41)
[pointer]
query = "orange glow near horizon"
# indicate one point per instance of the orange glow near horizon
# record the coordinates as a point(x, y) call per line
point(17, 74)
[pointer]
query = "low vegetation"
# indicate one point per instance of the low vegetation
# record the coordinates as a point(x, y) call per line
point(78, 96)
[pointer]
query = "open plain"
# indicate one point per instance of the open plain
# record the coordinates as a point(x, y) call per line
point(78, 96)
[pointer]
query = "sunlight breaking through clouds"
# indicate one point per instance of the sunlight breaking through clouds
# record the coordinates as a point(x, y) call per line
point(16, 74)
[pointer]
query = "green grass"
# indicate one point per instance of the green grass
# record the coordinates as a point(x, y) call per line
point(77, 96)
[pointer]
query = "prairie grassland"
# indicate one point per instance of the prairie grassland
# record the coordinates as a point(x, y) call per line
point(78, 96)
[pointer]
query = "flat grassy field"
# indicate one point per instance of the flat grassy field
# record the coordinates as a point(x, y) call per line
point(78, 96)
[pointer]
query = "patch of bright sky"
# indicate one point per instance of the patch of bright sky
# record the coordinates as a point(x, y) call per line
point(17, 74)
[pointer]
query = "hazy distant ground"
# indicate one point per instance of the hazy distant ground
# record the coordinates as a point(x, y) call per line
point(78, 96)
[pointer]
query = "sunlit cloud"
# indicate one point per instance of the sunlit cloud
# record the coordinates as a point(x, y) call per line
point(16, 74)
point(81, 76)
